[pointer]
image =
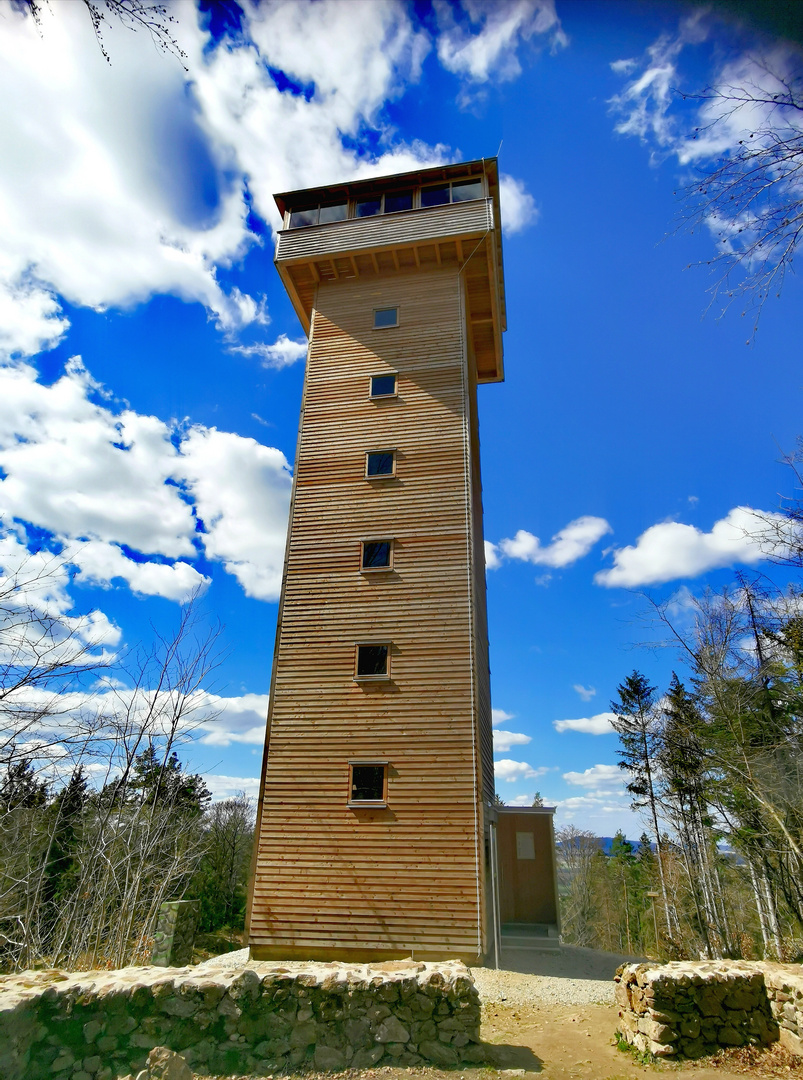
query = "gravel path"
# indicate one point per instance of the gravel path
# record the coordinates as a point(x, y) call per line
point(516, 988)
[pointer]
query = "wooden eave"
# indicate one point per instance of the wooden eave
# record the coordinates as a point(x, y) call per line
point(466, 236)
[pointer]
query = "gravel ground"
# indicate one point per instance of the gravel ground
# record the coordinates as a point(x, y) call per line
point(518, 988)
point(568, 976)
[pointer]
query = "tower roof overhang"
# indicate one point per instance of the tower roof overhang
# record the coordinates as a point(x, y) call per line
point(464, 235)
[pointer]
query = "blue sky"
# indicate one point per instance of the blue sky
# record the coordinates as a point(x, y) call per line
point(152, 365)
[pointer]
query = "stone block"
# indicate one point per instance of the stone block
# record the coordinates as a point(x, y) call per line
point(690, 1027)
point(329, 1059)
point(692, 1048)
point(791, 1041)
point(438, 1052)
point(92, 1030)
point(391, 1030)
point(365, 1058)
point(473, 1054)
point(304, 1035)
point(92, 1064)
point(728, 1035)
point(395, 1049)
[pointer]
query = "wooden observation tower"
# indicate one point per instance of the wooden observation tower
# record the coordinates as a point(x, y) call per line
point(377, 784)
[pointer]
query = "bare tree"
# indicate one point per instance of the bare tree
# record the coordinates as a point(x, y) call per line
point(130, 843)
point(156, 19)
point(751, 198)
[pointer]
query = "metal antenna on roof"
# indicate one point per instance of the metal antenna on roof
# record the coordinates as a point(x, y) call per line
point(500, 147)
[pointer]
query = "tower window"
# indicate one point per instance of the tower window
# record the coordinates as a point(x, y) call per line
point(383, 385)
point(385, 318)
point(373, 661)
point(368, 782)
point(380, 463)
point(377, 554)
point(458, 191)
point(368, 207)
point(398, 200)
point(318, 215)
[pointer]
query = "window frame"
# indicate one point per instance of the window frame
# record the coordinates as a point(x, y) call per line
point(371, 678)
point(385, 475)
point(367, 804)
point(389, 326)
point(450, 184)
point(376, 569)
point(383, 375)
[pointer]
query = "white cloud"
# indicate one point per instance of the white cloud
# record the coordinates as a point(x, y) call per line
point(36, 584)
point(242, 493)
point(598, 778)
point(573, 542)
point(589, 725)
point(100, 563)
point(237, 720)
point(492, 560)
point(100, 481)
point(584, 692)
point(672, 550)
point(623, 67)
point(506, 740)
point(282, 353)
point(479, 39)
point(518, 207)
point(227, 787)
point(516, 770)
point(499, 716)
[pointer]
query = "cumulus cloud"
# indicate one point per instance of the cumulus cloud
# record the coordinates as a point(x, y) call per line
point(506, 740)
point(509, 770)
point(573, 542)
point(598, 778)
point(672, 550)
point(601, 724)
point(479, 39)
point(237, 720)
point(36, 586)
point(282, 353)
point(584, 692)
point(517, 206)
point(134, 498)
point(499, 716)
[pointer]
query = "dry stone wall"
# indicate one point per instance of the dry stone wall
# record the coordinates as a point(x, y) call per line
point(690, 1009)
point(257, 1018)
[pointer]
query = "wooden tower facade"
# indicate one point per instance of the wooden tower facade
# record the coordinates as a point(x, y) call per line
point(377, 784)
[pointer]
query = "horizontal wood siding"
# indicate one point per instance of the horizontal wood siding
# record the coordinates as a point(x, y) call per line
point(403, 229)
point(334, 880)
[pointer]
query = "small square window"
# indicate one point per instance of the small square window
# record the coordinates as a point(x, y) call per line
point(369, 207)
point(398, 200)
point(383, 385)
point(385, 317)
point(463, 190)
point(380, 463)
point(373, 662)
point(377, 554)
point(368, 782)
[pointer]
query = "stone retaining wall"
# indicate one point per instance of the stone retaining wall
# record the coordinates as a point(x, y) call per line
point(101, 1025)
point(690, 1009)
